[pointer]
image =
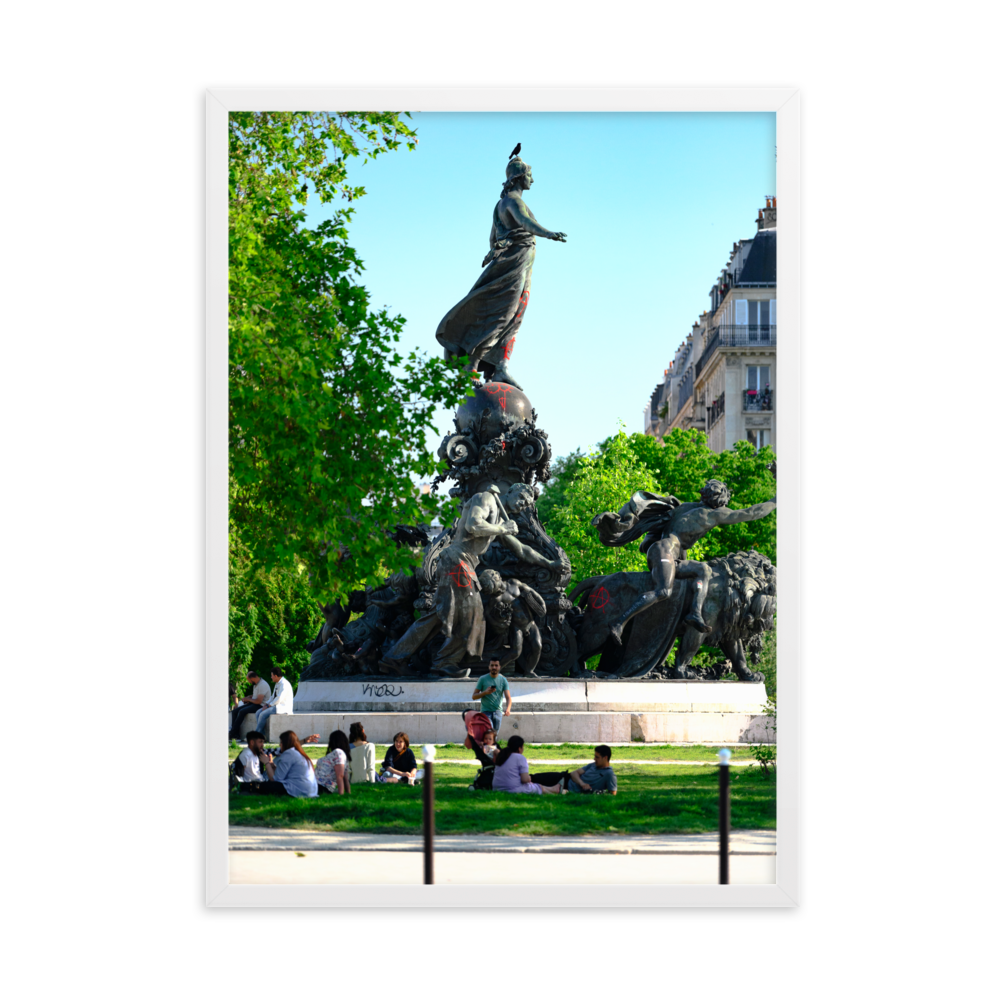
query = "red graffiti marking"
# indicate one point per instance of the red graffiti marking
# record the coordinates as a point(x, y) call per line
point(600, 599)
point(523, 303)
point(503, 446)
point(509, 349)
point(500, 389)
point(462, 576)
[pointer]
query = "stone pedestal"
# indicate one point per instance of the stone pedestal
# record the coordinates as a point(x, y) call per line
point(546, 710)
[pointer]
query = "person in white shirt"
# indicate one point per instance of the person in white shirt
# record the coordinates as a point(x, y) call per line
point(279, 703)
point(261, 692)
point(253, 758)
point(362, 762)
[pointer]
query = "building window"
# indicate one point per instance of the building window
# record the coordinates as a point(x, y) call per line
point(759, 439)
point(758, 378)
point(741, 312)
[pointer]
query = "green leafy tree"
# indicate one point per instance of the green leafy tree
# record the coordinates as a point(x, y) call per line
point(327, 415)
point(600, 481)
point(681, 464)
point(272, 615)
point(745, 472)
point(561, 473)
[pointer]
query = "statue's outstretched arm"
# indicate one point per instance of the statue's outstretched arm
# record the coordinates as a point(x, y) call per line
point(525, 220)
point(754, 513)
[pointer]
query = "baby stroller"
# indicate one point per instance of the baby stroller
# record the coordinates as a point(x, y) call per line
point(484, 779)
point(476, 724)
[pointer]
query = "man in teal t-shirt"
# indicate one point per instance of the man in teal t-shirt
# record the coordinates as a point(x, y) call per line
point(491, 689)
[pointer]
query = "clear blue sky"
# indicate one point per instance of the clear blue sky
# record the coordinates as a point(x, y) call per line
point(651, 205)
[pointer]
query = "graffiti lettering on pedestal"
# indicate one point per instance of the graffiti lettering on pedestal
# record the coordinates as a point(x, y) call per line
point(381, 690)
point(600, 599)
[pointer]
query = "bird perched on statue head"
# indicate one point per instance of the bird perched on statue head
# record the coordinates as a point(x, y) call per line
point(517, 149)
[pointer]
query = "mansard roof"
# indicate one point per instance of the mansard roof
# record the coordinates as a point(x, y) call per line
point(761, 266)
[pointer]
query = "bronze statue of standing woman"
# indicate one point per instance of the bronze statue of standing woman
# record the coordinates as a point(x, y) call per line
point(485, 323)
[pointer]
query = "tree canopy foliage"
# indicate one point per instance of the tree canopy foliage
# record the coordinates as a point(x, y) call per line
point(272, 615)
point(327, 415)
point(585, 485)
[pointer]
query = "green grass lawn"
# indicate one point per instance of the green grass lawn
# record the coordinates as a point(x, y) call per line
point(651, 799)
point(567, 751)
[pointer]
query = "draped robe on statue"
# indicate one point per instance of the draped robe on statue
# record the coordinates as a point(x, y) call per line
point(484, 324)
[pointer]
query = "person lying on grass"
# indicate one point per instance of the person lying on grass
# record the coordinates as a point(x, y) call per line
point(596, 777)
point(399, 765)
point(511, 774)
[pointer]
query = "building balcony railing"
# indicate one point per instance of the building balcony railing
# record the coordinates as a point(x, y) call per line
point(713, 343)
point(758, 402)
point(748, 335)
point(735, 335)
point(716, 410)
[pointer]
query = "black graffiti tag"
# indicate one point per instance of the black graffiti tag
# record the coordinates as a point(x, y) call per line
point(381, 690)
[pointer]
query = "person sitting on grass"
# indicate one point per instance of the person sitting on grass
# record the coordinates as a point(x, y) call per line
point(511, 774)
point(399, 765)
point(362, 755)
point(293, 773)
point(332, 771)
point(248, 764)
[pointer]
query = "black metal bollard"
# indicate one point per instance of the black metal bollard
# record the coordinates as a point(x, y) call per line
point(724, 755)
point(429, 752)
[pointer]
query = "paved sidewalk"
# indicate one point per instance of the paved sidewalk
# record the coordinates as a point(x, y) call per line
point(454, 868)
point(741, 842)
point(261, 856)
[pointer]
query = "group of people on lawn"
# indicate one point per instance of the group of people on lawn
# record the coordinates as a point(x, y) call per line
point(352, 758)
point(348, 759)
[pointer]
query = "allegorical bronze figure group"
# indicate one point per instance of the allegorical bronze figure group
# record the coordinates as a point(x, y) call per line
point(493, 583)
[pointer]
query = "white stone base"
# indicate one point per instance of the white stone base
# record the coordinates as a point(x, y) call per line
point(550, 694)
point(540, 727)
point(249, 724)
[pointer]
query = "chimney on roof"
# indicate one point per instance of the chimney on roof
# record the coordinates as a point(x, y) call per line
point(767, 218)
